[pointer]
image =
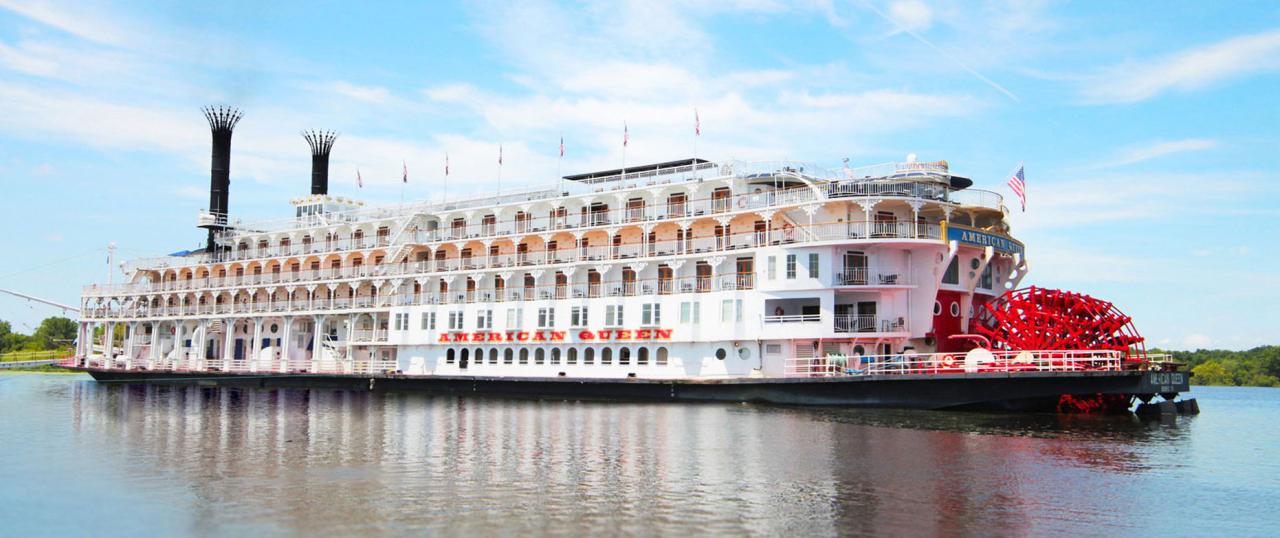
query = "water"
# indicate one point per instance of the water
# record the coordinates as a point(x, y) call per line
point(81, 458)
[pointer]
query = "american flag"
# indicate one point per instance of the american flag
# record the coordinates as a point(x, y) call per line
point(697, 123)
point(405, 176)
point(562, 146)
point(1018, 184)
point(359, 180)
point(626, 136)
point(446, 164)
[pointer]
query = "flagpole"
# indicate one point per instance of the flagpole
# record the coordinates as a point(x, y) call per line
point(697, 130)
point(626, 138)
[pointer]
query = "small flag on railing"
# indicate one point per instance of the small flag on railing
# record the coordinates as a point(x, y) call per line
point(359, 180)
point(405, 176)
point(697, 123)
point(446, 164)
point(499, 154)
point(1018, 184)
point(626, 135)
point(562, 146)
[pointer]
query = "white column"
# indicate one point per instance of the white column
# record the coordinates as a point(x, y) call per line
point(316, 343)
point(130, 340)
point(228, 338)
point(285, 344)
point(108, 356)
point(198, 344)
point(255, 347)
point(153, 354)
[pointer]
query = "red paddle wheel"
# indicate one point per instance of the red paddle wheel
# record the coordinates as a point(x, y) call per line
point(1048, 319)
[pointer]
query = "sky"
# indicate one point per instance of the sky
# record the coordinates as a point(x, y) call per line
point(1149, 130)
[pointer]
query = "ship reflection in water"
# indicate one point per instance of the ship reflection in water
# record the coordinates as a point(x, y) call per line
point(230, 461)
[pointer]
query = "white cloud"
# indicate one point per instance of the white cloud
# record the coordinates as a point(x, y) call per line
point(1187, 70)
point(1159, 149)
point(85, 21)
point(913, 15)
point(1196, 341)
point(369, 94)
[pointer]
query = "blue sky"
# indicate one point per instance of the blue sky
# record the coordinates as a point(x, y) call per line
point(1149, 129)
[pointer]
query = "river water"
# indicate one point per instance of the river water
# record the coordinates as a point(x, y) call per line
point(82, 458)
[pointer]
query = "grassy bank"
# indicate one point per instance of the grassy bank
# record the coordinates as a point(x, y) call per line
point(19, 356)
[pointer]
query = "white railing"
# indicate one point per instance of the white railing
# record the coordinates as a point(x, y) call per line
point(978, 198)
point(976, 361)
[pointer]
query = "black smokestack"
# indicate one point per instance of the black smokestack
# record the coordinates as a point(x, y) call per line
point(222, 120)
point(321, 143)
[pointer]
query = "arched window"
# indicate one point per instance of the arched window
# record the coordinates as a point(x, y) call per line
point(539, 356)
point(479, 356)
point(642, 357)
point(463, 357)
point(506, 356)
point(572, 356)
point(589, 356)
point(524, 356)
point(661, 358)
point(449, 356)
point(555, 355)
point(606, 356)
point(493, 355)
point(624, 356)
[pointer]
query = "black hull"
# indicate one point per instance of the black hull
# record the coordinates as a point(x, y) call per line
point(979, 391)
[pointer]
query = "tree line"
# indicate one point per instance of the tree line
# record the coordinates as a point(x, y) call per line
point(1257, 367)
point(55, 332)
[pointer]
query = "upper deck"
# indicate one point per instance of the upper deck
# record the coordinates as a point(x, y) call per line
point(641, 195)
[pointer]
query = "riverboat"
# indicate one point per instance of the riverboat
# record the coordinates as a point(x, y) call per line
point(892, 285)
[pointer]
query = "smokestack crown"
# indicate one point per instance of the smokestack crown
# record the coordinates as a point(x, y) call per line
point(221, 119)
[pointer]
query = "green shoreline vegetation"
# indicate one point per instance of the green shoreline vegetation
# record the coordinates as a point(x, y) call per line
point(51, 340)
point(1257, 367)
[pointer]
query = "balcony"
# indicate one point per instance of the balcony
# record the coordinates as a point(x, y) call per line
point(854, 323)
point(861, 276)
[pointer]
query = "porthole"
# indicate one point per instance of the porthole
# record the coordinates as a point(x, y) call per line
point(937, 308)
point(721, 353)
point(955, 308)
point(275, 328)
point(974, 263)
point(744, 353)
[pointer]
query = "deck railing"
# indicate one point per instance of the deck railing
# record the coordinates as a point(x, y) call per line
point(955, 363)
